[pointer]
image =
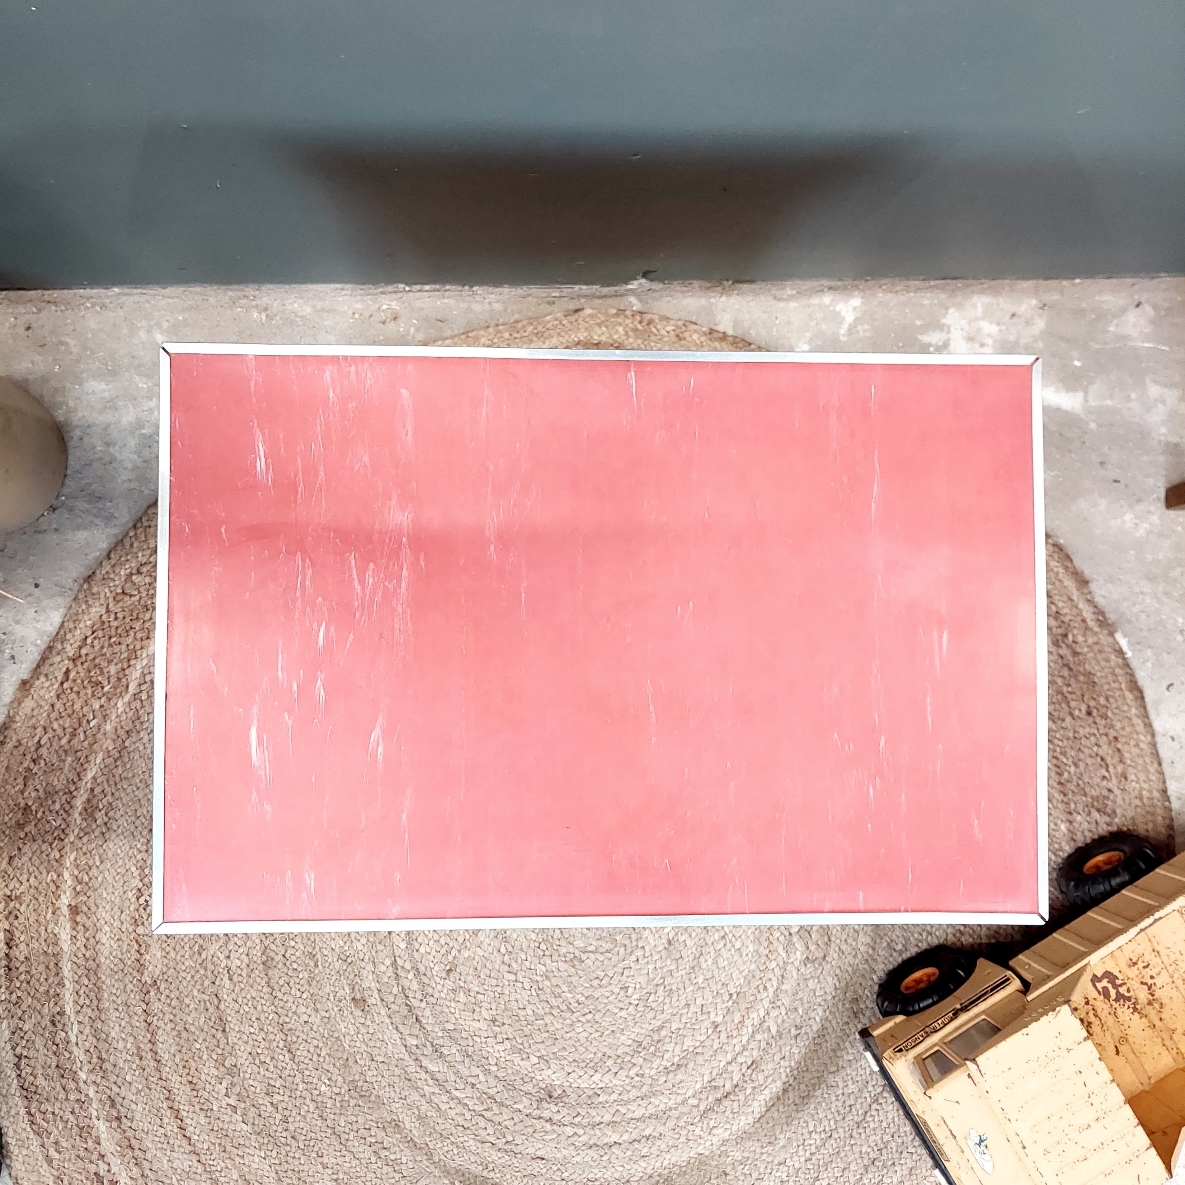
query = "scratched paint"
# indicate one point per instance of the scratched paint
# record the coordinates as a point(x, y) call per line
point(495, 637)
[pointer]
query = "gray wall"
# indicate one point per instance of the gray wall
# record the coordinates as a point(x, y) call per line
point(157, 141)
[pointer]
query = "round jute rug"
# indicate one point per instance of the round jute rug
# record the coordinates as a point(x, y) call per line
point(517, 1058)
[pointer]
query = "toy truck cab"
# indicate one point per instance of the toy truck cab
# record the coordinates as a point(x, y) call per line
point(1067, 1066)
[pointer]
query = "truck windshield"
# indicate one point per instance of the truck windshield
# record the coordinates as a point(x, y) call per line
point(972, 1039)
point(938, 1065)
point(968, 1043)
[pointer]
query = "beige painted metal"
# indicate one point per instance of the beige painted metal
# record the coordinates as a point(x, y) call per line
point(1084, 1083)
point(1061, 1107)
point(1103, 927)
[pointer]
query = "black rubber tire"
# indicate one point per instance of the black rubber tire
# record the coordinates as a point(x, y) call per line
point(954, 968)
point(1087, 889)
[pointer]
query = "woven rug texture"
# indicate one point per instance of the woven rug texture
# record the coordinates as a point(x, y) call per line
point(665, 1055)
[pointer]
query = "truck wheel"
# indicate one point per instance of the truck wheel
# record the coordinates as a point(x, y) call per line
point(1097, 870)
point(924, 980)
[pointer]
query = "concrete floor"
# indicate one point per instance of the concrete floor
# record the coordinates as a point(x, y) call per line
point(1114, 367)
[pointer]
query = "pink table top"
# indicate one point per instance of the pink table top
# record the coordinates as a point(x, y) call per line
point(457, 637)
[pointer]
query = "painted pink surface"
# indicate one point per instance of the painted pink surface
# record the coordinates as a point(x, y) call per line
point(469, 637)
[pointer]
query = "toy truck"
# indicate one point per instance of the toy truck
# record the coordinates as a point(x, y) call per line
point(1067, 1066)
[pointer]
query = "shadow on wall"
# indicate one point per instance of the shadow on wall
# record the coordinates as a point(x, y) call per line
point(214, 205)
point(590, 218)
point(845, 210)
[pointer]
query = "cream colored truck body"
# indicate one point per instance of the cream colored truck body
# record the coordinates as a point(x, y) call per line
point(1080, 1080)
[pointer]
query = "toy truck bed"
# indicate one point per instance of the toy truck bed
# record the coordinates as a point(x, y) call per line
point(1067, 1069)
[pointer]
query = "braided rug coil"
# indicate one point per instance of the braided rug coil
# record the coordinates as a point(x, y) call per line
point(724, 1054)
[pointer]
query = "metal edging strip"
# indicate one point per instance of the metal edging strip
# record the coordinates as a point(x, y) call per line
point(755, 356)
point(356, 925)
point(161, 642)
point(1041, 643)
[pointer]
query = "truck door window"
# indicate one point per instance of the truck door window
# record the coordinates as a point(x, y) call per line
point(938, 1065)
point(972, 1039)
